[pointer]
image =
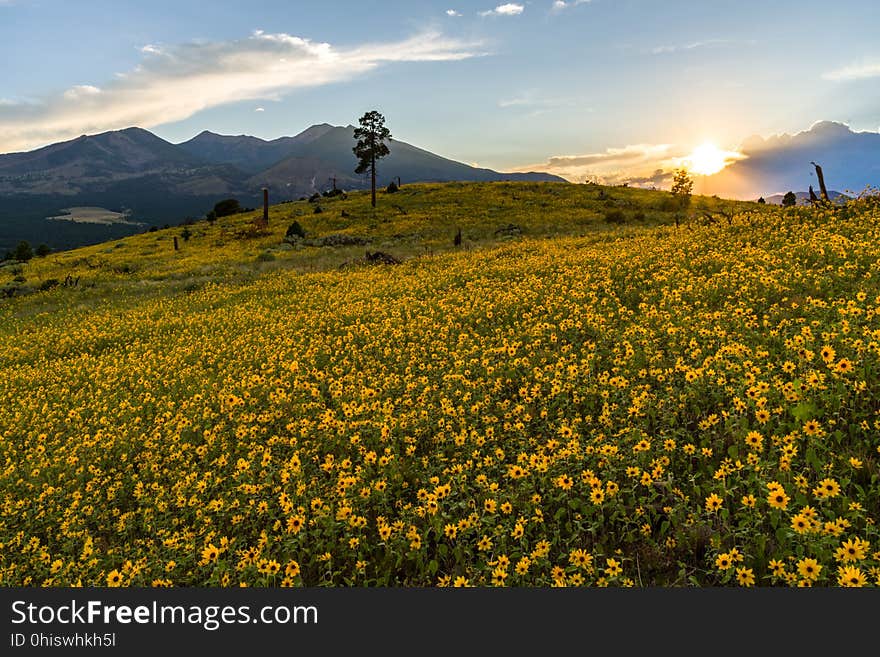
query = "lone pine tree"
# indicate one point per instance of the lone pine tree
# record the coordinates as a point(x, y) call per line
point(371, 146)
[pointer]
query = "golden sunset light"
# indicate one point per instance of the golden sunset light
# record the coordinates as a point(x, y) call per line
point(707, 159)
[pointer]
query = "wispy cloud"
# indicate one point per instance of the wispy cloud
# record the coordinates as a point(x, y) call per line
point(858, 71)
point(561, 5)
point(706, 43)
point(172, 83)
point(509, 9)
point(535, 99)
point(636, 163)
point(260, 109)
point(453, 13)
point(81, 91)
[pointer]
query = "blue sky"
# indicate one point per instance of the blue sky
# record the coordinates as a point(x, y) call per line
point(587, 87)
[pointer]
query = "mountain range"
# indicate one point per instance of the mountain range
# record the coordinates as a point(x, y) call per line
point(850, 163)
point(154, 182)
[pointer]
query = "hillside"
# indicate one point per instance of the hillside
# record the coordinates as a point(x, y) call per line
point(419, 219)
point(157, 183)
point(560, 401)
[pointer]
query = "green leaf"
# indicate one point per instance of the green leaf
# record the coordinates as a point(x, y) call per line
point(813, 460)
point(782, 535)
point(760, 545)
point(804, 411)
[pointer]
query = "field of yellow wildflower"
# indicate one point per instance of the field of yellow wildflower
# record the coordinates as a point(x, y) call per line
point(577, 404)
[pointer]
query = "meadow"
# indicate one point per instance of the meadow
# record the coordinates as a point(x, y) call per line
point(668, 399)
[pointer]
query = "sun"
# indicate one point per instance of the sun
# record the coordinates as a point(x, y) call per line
point(707, 159)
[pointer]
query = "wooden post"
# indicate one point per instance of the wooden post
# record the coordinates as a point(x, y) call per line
point(176, 247)
point(821, 181)
point(265, 207)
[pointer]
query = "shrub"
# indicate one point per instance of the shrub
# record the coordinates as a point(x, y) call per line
point(295, 230)
point(43, 250)
point(23, 252)
point(227, 207)
point(614, 216)
point(668, 204)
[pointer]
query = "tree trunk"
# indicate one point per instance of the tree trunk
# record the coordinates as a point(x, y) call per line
point(265, 207)
point(821, 178)
point(373, 178)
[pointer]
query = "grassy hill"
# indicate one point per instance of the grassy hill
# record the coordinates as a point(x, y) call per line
point(419, 220)
point(561, 400)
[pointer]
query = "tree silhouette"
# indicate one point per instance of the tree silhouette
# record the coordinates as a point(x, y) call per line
point(371, 136)
point(682, 185)
point(789, 200)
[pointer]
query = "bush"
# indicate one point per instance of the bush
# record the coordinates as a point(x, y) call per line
point(391, 188)
point(227, 207)
point(43, 250)
point(668, 204)
point(23, 252)
point(295, 230)
point(614, 216)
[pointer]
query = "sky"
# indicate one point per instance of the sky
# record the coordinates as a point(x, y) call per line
point(585, 88)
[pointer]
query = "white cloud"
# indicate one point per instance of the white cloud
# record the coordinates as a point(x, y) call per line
point(706, 43)
point(509, 9)
point(453, 12)
point(151, 49)
point(260, 109)
point(560, 5)
point(860, 71)
point(533, 98)
point(81, 91)
point(174, 82)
